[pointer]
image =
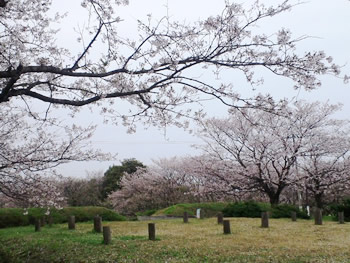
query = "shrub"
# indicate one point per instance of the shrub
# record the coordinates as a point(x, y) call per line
point(10, 217)
point(343, 206)
point(208, 209)
point(237, 209)
point(254, 209)
point(284, 211)
point(244, 209)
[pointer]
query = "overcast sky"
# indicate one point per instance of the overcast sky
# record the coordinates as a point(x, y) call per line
point(328, 22)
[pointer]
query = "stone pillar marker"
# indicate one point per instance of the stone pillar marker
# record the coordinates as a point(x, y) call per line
point(341, 217)
point(198, 213)
point(294, 216)
point(97, 224)
point(220, 218)
point(107, 236)
point(318, 216)
point(264, 219)
point(152, 231)
point(185, 217)
point(71, 222)
point(227, 228)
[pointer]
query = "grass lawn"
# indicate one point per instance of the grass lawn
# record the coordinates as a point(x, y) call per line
point(198, 241)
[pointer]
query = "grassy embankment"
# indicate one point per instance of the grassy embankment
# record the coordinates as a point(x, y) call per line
point(198, 241)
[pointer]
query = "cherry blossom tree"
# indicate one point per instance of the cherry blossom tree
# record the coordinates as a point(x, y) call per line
point(154, 73)
point(85, 191)
point(326, 164)
point(29, 152)
point(261, 148)
point(166, 182)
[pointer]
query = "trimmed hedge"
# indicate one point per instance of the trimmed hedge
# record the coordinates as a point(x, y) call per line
point(11, 217)
point(208, 209)
point(254, 209)
point(237, 209)
point(284, 211)
point(244, 209)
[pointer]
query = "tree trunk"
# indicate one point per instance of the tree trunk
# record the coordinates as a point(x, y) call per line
point(274, 199)
point(318, 200)
point(318, 216)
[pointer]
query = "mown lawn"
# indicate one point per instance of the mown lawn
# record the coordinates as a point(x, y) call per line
point(198, 241)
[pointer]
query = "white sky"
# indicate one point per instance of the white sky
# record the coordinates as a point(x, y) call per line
point(327, 21)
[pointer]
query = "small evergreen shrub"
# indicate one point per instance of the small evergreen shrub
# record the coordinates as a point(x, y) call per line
point(285, 211)
point(243, 209)
point(254, 209)
point(11, 217)
point(344, 206)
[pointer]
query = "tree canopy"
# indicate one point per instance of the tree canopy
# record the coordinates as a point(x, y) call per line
point(266, 152)
point(113, 176)
point(153, 73)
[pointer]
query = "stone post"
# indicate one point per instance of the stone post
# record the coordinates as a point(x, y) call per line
point(220, 218)
point(341, 217)
point(152, 231)
point(71, 222)
point(198, 213)
point(37, 225)
point(97, 224)
point(227, 228)
point(185, 217)
point(294, 216)
point(107, 236)
point(264, 219)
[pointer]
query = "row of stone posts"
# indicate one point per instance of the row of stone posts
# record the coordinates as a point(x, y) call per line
point(107, 235)
point(318, 217)
point(40, 222)
point(265, 219)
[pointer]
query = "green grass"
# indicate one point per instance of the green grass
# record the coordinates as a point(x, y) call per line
point(198, 241)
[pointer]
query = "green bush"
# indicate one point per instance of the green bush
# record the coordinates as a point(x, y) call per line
point(285, 211)
point(344, 206)
point(254, 209)
point(10, 217)
point(208, 209)
point(244, 209)
point(237, 209)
